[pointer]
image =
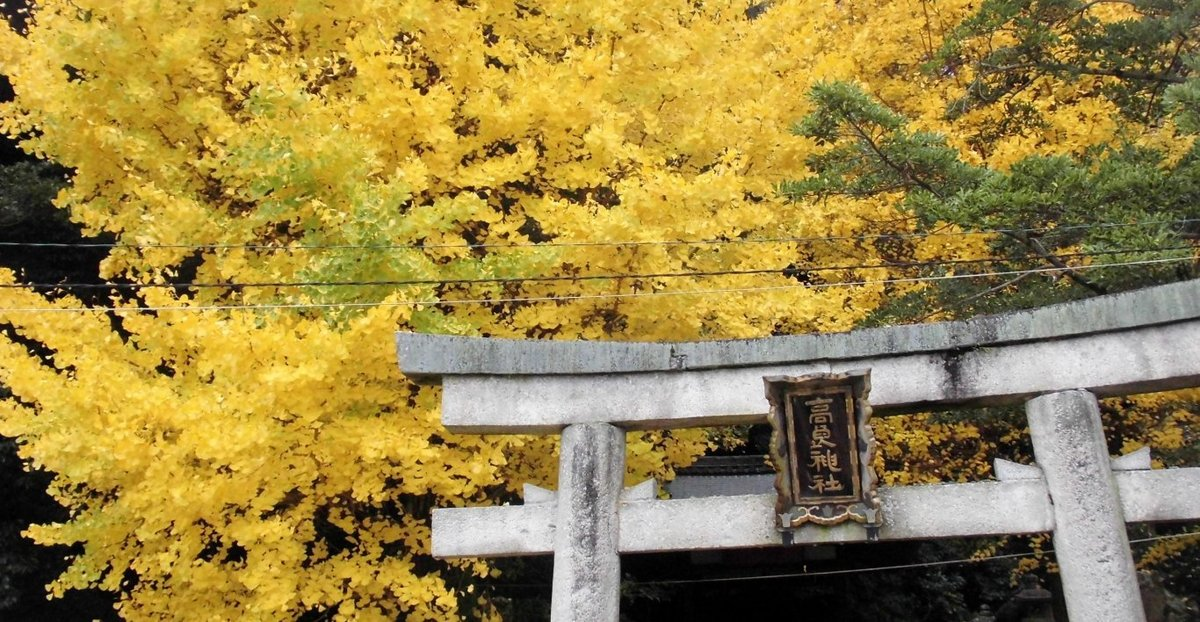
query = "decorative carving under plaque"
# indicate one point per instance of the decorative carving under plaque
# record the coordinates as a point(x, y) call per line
point(823, 446)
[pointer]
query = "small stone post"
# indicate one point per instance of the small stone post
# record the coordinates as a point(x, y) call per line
point(587, 566)
point(1098, 576)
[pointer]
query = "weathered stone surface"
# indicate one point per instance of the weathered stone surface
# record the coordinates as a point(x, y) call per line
point(534, 495)
point(1110, 363)
point(912, 512)
point(1133, 461)
point(1098, 576)
point(1008, 471)
point(450, 355)
point(1160, 496)
point(981, 508)
point(587, 567)
point(502, 530)
point(642, 491)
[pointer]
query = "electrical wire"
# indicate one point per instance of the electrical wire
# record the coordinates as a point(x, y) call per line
point(624, 243)
point(948, 562)
point(587, 277)
point(574, 298)
point(845, 571)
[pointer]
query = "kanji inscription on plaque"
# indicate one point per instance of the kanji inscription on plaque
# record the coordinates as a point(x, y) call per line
point(823, 447)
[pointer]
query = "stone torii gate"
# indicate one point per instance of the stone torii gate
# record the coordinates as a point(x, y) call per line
point(1057, 360)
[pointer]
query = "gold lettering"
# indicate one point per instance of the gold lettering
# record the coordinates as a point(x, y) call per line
point(820, 437)
point(819, 404)
point(826, 483)
point(824, 460)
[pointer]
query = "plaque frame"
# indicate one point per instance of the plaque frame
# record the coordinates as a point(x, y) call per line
point(796, 504)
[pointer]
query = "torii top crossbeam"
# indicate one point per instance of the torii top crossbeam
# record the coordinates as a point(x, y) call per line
point(1123, 344)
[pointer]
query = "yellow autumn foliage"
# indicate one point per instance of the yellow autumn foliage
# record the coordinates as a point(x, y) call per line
point(247, 448)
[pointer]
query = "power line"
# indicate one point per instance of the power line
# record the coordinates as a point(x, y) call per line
point(822, 573)
point(787, 270)
point(948, 562)
point(578, 297)
point(624, 243)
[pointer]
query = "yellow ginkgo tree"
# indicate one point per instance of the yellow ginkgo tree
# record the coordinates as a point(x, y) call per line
point(288, 183)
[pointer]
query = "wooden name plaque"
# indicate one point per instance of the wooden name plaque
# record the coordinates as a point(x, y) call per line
point(823, 448)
